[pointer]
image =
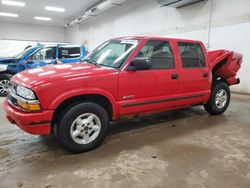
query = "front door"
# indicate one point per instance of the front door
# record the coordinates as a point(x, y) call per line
point(43, 57)
point(149, 90)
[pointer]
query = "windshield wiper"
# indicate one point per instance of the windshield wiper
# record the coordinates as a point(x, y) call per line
point(91, 61)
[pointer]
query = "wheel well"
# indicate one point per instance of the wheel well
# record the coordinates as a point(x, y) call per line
point(65, 105)
point(219, 65)
point(5, 74)
point(216, 78)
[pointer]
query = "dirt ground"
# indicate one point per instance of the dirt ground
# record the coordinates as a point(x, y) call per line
point(185, 148)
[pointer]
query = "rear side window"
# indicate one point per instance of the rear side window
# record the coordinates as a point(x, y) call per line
point(201, 55)
point(66, 53)
point(192, 55)
point(159, 53)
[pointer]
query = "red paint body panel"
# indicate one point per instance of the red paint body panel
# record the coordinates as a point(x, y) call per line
point(129, 92)
point(191, 80)
point(53, 84)
point(146, 85)
point(229, 69)
point(26, 120)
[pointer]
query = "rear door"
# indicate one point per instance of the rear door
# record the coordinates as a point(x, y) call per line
point(69, 54)
point(194, 76)
point(149, 90)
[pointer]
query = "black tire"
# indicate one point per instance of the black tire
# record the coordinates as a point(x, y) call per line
point(62, 129)
point(4, 77)
point(211, 107)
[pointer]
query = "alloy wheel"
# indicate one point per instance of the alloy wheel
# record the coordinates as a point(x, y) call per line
point(85, 128)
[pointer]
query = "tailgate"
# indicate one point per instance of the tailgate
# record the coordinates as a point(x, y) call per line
point(225, 64)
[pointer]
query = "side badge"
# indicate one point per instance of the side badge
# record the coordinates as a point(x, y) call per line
point(128, 97)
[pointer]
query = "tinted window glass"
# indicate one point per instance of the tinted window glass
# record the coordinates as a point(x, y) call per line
point(65, 53)
point(22, 53)
point(113, 53)
point(201, 55)
point(45, 54)
point(159, 53)
point(191, 55)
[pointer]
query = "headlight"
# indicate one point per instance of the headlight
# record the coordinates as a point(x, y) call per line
point(25, 92)
point(24, 99)
point(3, 67)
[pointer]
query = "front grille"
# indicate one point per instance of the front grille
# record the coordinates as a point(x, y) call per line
point(12, 101)
point(13, 87)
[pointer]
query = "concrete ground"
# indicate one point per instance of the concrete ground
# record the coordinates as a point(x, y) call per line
point(184, 148)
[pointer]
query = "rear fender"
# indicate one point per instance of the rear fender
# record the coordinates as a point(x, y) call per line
point(225, 64)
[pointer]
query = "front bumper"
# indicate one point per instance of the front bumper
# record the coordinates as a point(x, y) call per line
point(38, 123)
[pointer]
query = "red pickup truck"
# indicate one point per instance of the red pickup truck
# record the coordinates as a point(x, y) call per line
point(123, 76)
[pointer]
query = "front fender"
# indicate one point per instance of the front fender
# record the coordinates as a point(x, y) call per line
point(86, 91)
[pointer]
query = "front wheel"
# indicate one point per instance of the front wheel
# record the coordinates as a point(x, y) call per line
point(4, 84)
point(82, 127)
point(219, 99)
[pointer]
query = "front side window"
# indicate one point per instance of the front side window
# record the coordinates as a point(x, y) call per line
point(159, 54)
point(69, 52)
point(44, 54)
point(192, 55)
point(113, 53)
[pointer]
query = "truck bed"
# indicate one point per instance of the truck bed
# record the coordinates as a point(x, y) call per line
point(225, 64)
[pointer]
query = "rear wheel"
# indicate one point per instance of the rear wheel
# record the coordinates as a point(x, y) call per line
point(4, 84)
point(82, 127)
point(219, 99)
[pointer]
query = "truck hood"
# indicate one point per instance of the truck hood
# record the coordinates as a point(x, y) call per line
point(59, 74)
point(6, 60)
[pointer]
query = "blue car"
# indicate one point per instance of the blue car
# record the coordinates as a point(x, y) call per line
point(37, 56)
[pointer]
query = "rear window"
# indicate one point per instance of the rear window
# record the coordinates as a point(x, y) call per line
point(66, 53)
point(192, 55)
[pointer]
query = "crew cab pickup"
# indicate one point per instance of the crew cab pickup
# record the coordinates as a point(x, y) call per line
point(121, 77)
point(37, 56)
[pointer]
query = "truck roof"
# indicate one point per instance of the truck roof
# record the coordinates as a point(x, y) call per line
point(157, 38)
point(61, 45)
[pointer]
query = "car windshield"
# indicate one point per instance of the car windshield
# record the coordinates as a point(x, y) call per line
point(23, 52)
point(112, 53)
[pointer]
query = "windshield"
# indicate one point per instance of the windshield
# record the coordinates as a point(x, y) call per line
point(112, 53)
point(23, 52)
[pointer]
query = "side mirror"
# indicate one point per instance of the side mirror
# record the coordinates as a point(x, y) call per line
point(29, 62)
point(139, 63)
point(82, 59)
point(30, 57)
